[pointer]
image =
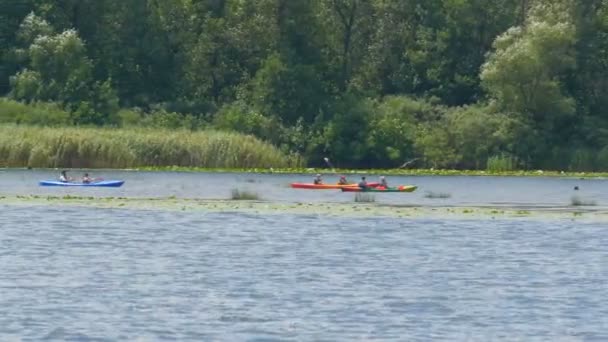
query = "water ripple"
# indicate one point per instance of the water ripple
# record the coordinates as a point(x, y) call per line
point(107, 274)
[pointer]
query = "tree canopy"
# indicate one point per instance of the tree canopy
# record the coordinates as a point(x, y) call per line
point(369, 83)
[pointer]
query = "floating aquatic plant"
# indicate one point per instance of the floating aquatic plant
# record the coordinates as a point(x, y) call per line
point(441, 195)
point(576, 201)
point(361, 197)
point(240, 195)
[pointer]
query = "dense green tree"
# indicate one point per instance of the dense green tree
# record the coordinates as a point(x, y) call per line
point(12, 13)
point(451, 83)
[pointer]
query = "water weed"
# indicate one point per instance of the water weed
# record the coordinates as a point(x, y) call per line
point(364, 198)
point(576, 201)
point(244, 195)
point(440, 195)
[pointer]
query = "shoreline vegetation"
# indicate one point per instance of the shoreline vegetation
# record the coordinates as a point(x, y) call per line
point(350, 209)
point(329, 172)
point(466, 85)
point(75, 147)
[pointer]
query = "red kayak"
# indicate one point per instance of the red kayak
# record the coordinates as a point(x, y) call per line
point(327, 186)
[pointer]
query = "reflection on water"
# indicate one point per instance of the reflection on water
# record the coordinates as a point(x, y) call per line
point(509, 191)
point(86, 273)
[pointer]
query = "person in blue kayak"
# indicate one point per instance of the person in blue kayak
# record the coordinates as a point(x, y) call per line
point(342, 181)
point(363, 183)
point(318, 179)
point(383, 182)
point(86, 179)
point(64, 177)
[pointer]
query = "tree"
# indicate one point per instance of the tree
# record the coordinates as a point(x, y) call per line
point(524, 73)
point(11, 16)
point(56, 68)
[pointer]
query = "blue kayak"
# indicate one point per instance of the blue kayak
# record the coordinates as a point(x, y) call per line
point(105, 183)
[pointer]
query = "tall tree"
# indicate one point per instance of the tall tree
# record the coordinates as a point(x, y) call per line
point(12, 13)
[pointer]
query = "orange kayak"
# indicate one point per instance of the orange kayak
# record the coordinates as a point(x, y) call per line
point(326, 186)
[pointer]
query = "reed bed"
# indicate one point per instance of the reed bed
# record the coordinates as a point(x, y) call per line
point(28, 146)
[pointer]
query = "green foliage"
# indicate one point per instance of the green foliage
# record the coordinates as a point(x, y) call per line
point(449, 83)
point(241, 118)
point(524, 72)
point(44, 114)
point(288, 91)
point(501, 163)
point(393, 128)
point(57, 68)
point(346, 136)
point(121, 148)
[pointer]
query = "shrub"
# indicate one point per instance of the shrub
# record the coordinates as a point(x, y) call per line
point(40, 113)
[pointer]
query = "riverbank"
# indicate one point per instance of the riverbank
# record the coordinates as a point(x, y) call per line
point(361, 210)
point(330, 172)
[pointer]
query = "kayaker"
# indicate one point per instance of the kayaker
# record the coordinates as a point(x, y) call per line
point(383, 182)
point(318, 180)
point(86, 179)
point(363, 183)
point(342, 181)
point(64, 177)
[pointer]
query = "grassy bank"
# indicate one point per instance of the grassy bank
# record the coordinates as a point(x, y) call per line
point(27, 146)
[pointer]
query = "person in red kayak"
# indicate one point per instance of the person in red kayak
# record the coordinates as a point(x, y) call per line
point(318, 180)
point(342, 181)
point(363, 183)
point(383, 182)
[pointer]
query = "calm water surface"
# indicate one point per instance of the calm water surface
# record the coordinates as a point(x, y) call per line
point(108, 274)
point(466, 190)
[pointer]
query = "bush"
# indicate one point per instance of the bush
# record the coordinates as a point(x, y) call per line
point(171, 120)
point(393, 128)
point(238, 117)
point(345, 137)
point(43, 114)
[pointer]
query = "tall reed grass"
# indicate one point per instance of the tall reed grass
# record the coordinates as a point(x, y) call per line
point(22, 146)
point(501, 163)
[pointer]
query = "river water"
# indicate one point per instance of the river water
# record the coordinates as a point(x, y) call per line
point(76, 273)
point(461, 191)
